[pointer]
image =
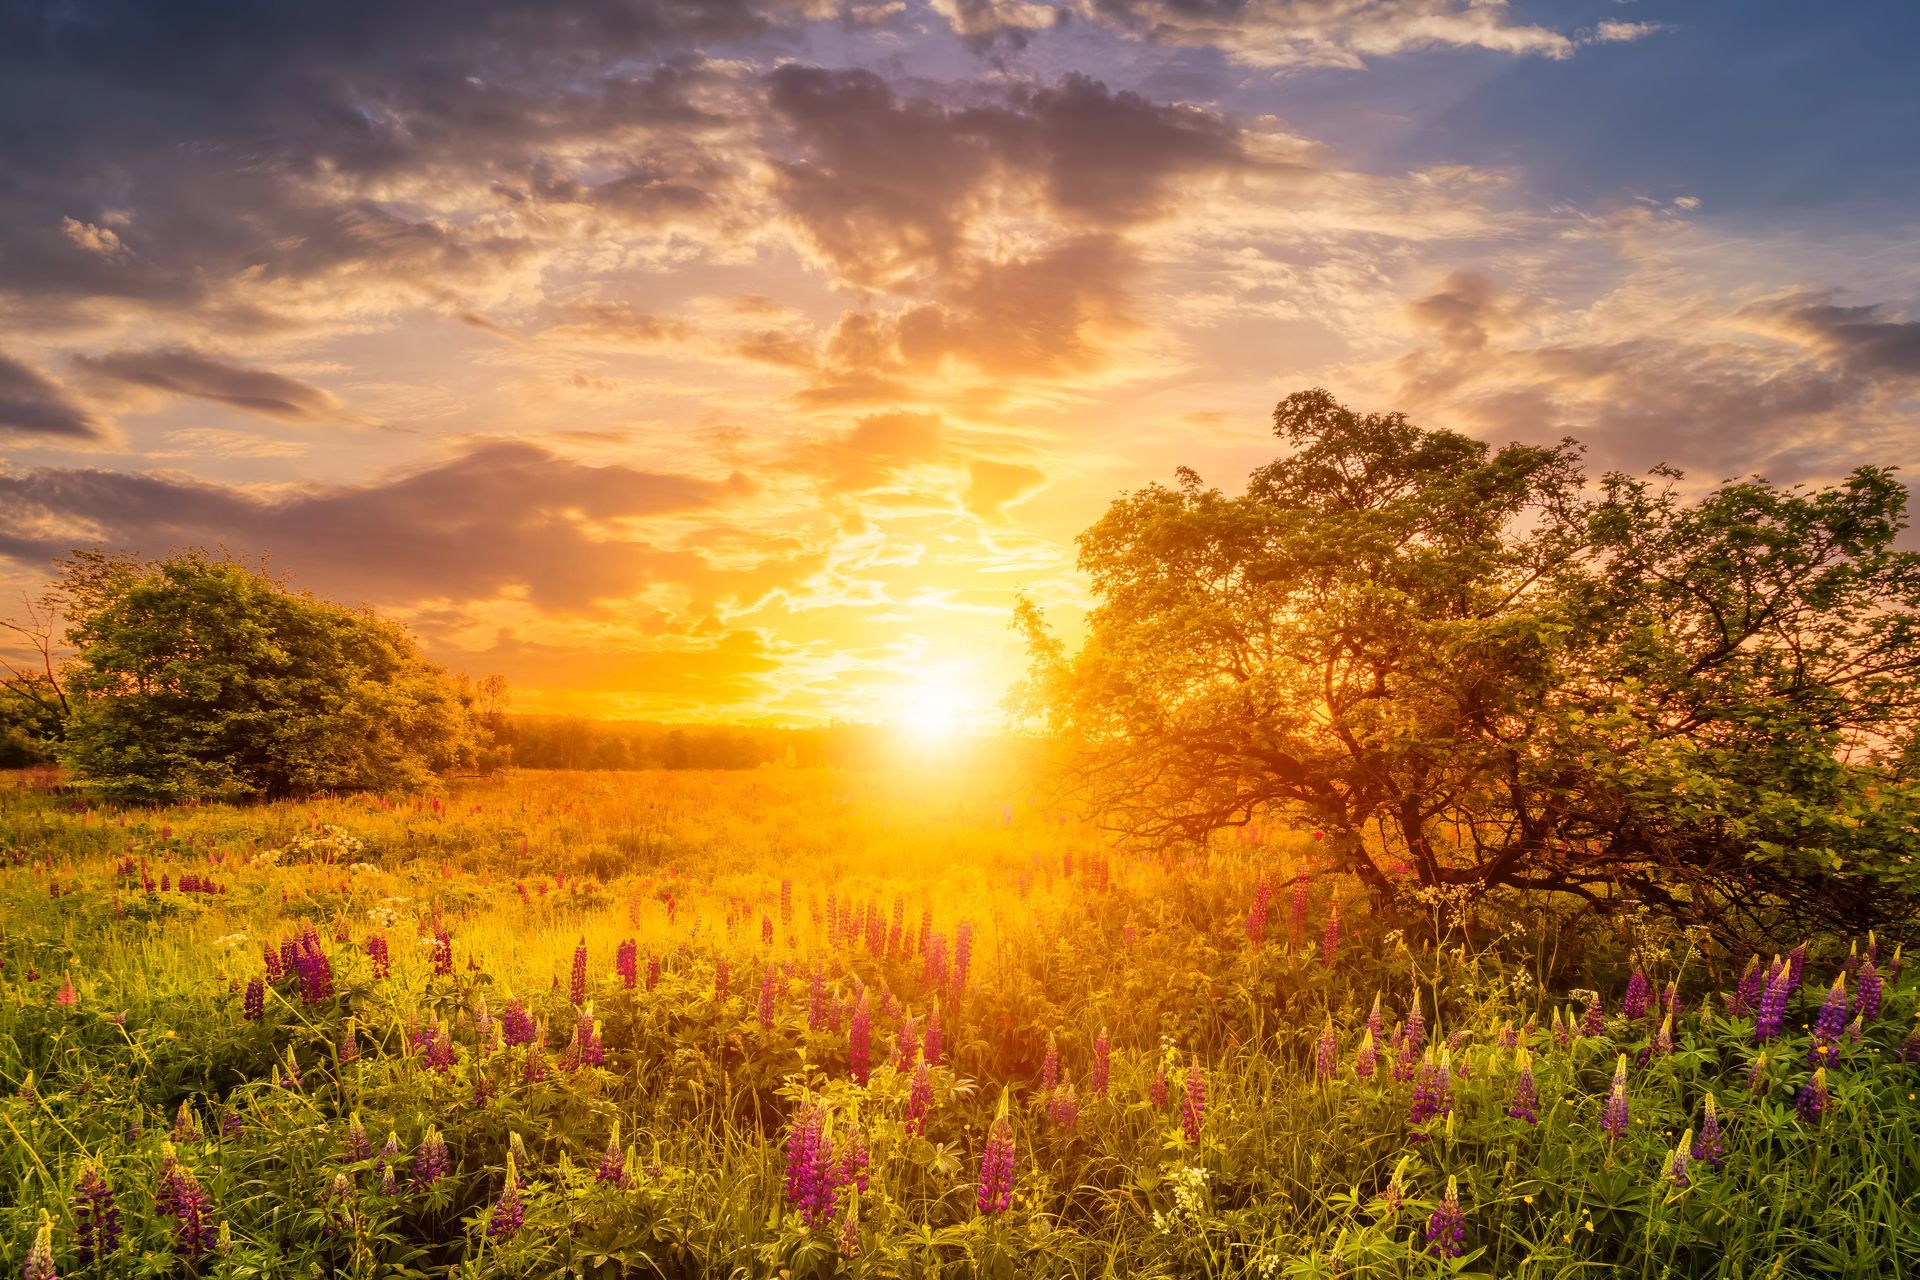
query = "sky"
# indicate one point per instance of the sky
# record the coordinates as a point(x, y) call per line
point(744, 359)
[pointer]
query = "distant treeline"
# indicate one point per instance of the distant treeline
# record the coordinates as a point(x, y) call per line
point(575, 742)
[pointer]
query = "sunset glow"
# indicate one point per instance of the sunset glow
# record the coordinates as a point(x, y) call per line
point(745, 360)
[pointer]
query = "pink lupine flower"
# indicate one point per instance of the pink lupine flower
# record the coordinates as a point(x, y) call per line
point(997, 1166)
point(1446, 1226)
point(612, 1170)
point(859, 1045)
point(1050, 1065)
point(1157, 1087)
point(1614, 1114)
point(626, 962)
point(933, 1043)
point(508, 1213)
point(919, 1099)
point(1365, 1061)
point(1330, 942)
point(1326, 1052)
point(1102, 1064)
point(766, 1006)
point(1063, 1107)
point(1526, 1094)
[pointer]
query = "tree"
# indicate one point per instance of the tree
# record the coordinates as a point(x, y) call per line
point(196, 677)
point(33, 706)
point(1470, 668)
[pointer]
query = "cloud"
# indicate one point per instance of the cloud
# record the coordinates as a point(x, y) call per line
point(1865, 340)
point(1278, 33)
point(203, 377)
point(502, 517)
point(1612, 32)
point(32, 404)
point(96, 240)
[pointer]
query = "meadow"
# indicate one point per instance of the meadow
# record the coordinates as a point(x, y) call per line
point(803, 1023)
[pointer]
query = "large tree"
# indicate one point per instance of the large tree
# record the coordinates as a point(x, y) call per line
point(195, 677)
point(1469, 667)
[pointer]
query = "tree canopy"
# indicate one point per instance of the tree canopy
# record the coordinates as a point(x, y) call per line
point(1469, 666)
point(195, 677)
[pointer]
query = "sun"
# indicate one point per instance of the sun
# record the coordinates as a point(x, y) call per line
point(939, 706)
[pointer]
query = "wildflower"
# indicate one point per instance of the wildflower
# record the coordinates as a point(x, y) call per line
point(378, 955)
point(507, 1214)
point(919, 1099)
point(846, 1241)
point(66, 997)
point(254, 1006)
point(431, 1162)
point(1297, 917)
point(1595, 1019)
point(39, 1264)
point(1663, 1038)
point(626, 962)
point(1446, 1226)
point(356, 1146)
point(996, 1165)
point(931, 1045)
point(1639, 991)
point(1102, 1064)
point(1326, 1057)
point(1676, 1163)
point(437, 1054)
point(1709, 1148)
point(653, 971)
point(859, 1039)
point(230, 1123)
point(1757, 1076)
point(1366, 1059)
point(1561, 1036)
point(810, 1183)
point(613, 1161)
point(1330, 943)
point(1872, 991)
point(1193, 1102)
point(1526, 1094)
point(1771, 1016)
point(720, 980)
point(1613, 1115)
point(1050, 1064)
point(854, 1158)
point(1747, 994)
point(292, 1079)
point(1157, 1087)
point(1257, 913)
point(442, 952)
point(186, 1126)
point(766, 1007)
point(577, 985)
point(1909, 1050)
point(1796, 965)
point(1373, 1017)
point(181, 1197)
point(1416, 1032)
point(96, 1217)
point(1063, 1107)
point(1433, 1092)
point(962, 952)
point(516, 1024)
point(1832, 1022)
point(1812, 1100)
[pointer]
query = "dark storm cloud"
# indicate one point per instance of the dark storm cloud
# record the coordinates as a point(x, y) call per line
point(1864, 339)
point(502, 516)
point(192, 373)
point(33, 404)
point(885, 185)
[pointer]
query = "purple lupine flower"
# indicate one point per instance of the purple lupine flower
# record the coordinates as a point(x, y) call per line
point(1771, 1017)
point(854, 1159)
point(231, 1126)
point(1639, 991)
point(1365, 1061)
point(1747, 994)
point(932, 1044)
point(349, 1048)
point(937, 969)
point(626, 962)
point(1193, 1101)
point(766, 1006)
point(1561, 1036)
point(906, 1041)
point(1669, 999)
point(1832, 1022)
point(577, 983)
point(1406, 1063)
point(817, 999)
point(431, 1162)
point(1872, 991)
point(96, 1217)
point(1709, 1147)
point(316, 971)
point(1813, 1099)
point(859, 1039)
point(1050, 1065)
point(437, 1053)
point(182, 1198)
point(39, 1263)
point(810, 1184)
point(1257, 913)
point(1415, 1036)
point(508, 1214)
point(1330, 942)
point(1526, 1094)
point(1676, 1163)
point(653, 971)
point(612, 1169)
point(1595, 1020)
point(1757, 1078)
point(1909, 1050)
point(516, 1024)
point(996, 1166)
point(291, 1080)
point(1796, 966)
point(919, 1099)
point(1326, 1052)
point(1433, 1091)
point(1663, 1038)
point(1893, 966)
point(1614, 1114)
point(1373, 1017)
point(1102, 1064)
point(1157, 1087)
point(254, 1006)
point(1447, 1226)
point(1508, 1037)
point(1063, 1107)
point(442, 952)
point(378, 955)
point(1297, 915)
point(356, 1145)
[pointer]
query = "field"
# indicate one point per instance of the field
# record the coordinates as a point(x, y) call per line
point(797, 1023)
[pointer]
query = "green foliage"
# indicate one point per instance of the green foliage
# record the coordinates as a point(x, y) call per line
point(200, 678)
point(1468, 667)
